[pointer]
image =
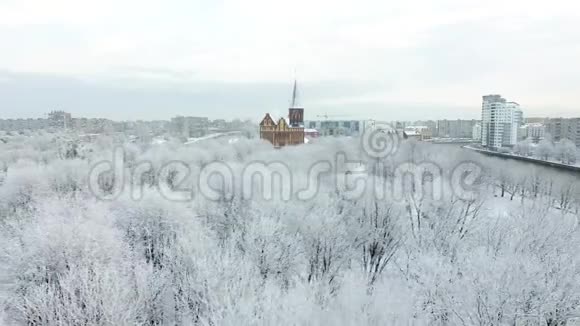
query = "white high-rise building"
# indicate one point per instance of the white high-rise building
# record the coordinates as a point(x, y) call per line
point(518, 119)
point(476, 132)
point(518, 113)
point(499, 122)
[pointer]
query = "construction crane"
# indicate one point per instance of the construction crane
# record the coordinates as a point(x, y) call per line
point(326, 116)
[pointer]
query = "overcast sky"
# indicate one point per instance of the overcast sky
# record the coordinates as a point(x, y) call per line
point(145, 59)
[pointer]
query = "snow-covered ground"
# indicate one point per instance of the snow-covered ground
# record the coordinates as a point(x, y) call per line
point(75, 258)
point(212, 136)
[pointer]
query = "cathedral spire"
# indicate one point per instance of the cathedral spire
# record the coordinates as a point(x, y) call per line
point(294, 101)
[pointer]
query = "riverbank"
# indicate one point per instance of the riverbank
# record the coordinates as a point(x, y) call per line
point(574, 168)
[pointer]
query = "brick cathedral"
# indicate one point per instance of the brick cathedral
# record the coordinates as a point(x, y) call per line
point(286, 131)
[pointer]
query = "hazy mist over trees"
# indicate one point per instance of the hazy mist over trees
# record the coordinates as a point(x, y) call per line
point(67, 258)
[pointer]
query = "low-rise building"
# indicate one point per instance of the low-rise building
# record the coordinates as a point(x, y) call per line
point(60, 119)
point(311, 133)
point(335, 127)
point(431, 124)
point(417, 132)
point(561, 128)
point(219, 124)
point(533, 131)
point(455, 128)
point(23, 124)
point(189, 127)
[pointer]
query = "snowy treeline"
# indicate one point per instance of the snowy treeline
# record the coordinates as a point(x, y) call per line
point(67, 258)
point(564, 151)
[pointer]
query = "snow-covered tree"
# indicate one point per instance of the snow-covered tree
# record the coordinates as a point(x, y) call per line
point(67, 258)
point(566, 151)
point(545, 149)
point(524, 147)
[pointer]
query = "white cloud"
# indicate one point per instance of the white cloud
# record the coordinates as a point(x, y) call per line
point(415, 46)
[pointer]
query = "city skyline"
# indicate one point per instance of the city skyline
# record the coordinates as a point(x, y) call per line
point(317, 117)
point(336, 113)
